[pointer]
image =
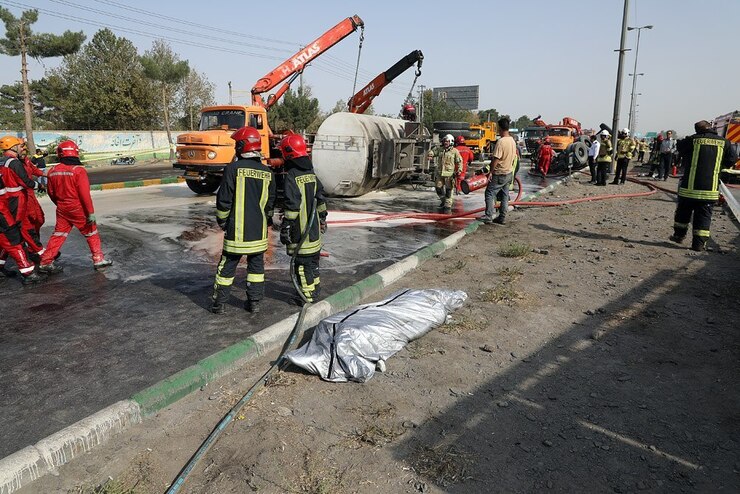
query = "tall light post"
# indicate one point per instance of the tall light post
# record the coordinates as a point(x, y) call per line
point(633, 103)
point(618, 92)
point(635, 74)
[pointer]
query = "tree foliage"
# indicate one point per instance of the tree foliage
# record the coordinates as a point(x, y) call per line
point(20, 40)
point(523, 121)
point(194, 92)
point(105, 87)
point(45, 101)
point(298, 111)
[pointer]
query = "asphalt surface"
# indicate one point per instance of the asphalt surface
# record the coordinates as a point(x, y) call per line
point(126, 173)
point(85, 340)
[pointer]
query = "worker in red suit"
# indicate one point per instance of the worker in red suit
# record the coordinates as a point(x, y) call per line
point(544, 157)
point(467, 156)
point(11, 240)
point(18, 186)
point(69, 188)
point(34, 218)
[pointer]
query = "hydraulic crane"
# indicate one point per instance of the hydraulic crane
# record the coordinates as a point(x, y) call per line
point(360, 102)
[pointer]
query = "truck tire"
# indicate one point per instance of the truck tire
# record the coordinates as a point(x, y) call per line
point(585, 140)
point(207, 187)
point(451, 126)
point(580, 153)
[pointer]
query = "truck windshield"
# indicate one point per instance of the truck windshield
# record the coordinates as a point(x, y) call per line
point(534, 134)
point(222, 119)
point(559, 132)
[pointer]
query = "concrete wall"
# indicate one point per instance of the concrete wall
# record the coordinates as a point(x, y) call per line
point(104, 144)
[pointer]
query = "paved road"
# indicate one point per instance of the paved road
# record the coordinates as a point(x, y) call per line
point(126, 173)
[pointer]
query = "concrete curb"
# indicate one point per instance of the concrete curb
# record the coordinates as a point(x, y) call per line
point(137, 183)
point(32, 462)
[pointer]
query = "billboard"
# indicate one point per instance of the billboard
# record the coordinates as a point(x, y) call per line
point(463, 97)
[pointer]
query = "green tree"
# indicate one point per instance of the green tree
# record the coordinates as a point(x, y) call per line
point(523, 121)
point(164, 66)
point(489, 115)
point(297, 111)
point(45, 103)
point(105, 87)
point(21, 40)
point(195, 92)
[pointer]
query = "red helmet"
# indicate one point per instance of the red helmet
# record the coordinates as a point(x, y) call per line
point(547, 140)
point(247, 139)
point(68, 149)
point(293, 146)
point(460, 140)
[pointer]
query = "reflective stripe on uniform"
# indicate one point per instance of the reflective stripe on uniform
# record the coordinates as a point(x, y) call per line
point(222, 280)
point(241, 247)
point(59, 234)
point(13, 189)
point(255, 277)
point(265, 195)
point(701, 233)
point(291, 215)
point(682, 226)
point(703, 195)
point(94, 232)
point(239, 210)
point(222, 215)
point(26, 270)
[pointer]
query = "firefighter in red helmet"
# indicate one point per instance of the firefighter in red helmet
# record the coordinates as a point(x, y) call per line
point(545, 154)
point(69, 188)
point(244, 208)
point(304, 198)
point(467, 156)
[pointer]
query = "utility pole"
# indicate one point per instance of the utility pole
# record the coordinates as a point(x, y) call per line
point(231, 101)
point(26, 91)
point(421, 103)
point(618, 95)
point(632, 125)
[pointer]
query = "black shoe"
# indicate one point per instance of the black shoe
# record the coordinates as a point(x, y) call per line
point(676, 238)
point(699, 245)
point(102, 264)
point(217, 308)
point(34, 278)
point(614, 183)
point(252, 306)
point(499, 220)
point(51, 268)
point(621, 183)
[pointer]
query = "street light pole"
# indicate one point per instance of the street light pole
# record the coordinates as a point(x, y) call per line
point(618, 95)
point(634, 76)
point(633, 102)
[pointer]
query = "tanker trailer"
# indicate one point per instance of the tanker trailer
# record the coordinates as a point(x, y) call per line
point(354, 154)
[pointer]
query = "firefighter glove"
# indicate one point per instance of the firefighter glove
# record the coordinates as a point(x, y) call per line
point(285, 233)
point(91, 218)
point(322, 226)
point(221, 223)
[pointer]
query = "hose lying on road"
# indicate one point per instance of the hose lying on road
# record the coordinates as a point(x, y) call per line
point(279, 363)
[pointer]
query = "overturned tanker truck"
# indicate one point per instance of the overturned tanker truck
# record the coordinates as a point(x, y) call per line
point(354, 154)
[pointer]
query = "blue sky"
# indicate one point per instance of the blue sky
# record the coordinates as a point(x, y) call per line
point(553, 58)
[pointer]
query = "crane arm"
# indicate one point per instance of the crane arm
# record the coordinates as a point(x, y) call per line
point(293, 66)
point(360, 102)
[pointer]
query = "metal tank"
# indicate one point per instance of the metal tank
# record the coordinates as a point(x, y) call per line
point(354, 154)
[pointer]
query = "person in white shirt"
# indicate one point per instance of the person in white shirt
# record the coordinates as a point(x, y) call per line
point(593, 152)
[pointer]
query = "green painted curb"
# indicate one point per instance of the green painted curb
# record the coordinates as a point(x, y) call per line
point(180, 384)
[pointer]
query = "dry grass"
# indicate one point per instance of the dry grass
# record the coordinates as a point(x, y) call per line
point(460, 325)
point(502, 294)
point(319, 478)
point(455, 267)
point(442, 465)
point(515, 249)
point(510, 273)
point(280, 379)
point(376, 434)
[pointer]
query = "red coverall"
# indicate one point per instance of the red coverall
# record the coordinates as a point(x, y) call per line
point(69, 188)
point(10, 235)
point(18, 185)
point(545, 157)
point(34, 213)
point(467, 156)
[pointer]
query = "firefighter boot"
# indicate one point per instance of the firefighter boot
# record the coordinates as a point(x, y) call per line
point(218, 300)
point(699, 244)
point(676, 238)
point(102, 264)
point(51, 268)
point(34, 278)
point(252, 306)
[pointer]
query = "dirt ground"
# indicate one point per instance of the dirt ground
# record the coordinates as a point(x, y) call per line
point(607, 361)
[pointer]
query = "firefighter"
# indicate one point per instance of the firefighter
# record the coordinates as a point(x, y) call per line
point(705, 154)
point(604, 158)
point(11, 241)
point(34, 218)
point(244, 208)
point(69, 188)
point(545, 154)
point(19, 185)
point(304, 198)
point(625, 149)
point(448, 168)
point(467, 157)
point(408, 112)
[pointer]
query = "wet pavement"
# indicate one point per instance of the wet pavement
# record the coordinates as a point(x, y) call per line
point(127, 173)
point(85, 340)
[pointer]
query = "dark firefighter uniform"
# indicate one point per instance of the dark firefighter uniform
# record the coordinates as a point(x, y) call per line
point(705, 154)
point(302, 187)
point(244, 208)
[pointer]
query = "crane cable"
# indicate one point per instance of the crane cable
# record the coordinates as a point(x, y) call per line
point(413, 84)
point(357, 67)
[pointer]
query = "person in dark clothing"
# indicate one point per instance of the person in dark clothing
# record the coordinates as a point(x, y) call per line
point(244, 209)
point(705, 154)
point(304, 196)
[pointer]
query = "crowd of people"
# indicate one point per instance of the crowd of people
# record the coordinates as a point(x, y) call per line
point(21, 215)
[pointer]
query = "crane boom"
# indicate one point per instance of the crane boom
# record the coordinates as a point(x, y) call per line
point(360, 102)
point(293, 66)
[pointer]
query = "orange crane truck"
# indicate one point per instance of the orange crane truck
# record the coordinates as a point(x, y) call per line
point(361, 101)
point(203, 154)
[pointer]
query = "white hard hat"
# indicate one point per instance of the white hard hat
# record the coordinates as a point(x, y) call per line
point(604, 133)
point(448, 137)
point(626, 130)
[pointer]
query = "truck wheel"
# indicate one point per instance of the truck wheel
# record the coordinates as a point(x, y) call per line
point(451, 126)
point(209, 186)
point(580, 153)
point(585, 140)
